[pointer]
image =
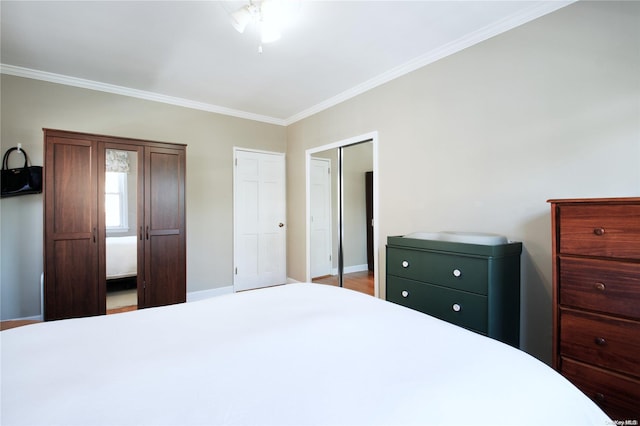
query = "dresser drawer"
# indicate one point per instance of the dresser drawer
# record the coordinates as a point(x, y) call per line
point(601, 285)
point(458, 307)
point(615, 394)
point(455, 271)
point(600, 230)
point(603, 340)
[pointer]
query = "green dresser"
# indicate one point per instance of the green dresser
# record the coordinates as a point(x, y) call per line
point(471, 285)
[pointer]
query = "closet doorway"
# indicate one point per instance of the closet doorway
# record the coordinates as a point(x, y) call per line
point(351, 203)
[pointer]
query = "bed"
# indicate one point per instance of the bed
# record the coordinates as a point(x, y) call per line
point(297, 354)
point(121, 256)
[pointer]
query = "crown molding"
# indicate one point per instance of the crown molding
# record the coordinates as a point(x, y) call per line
point(485, 33)
point(135, 93)
point(537, 10)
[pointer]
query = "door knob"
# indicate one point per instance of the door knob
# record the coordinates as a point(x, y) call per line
point(280, 225)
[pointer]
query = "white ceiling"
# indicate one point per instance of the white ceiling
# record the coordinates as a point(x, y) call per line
point(187, 53)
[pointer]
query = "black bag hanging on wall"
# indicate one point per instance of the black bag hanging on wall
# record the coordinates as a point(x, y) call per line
point(20, 181)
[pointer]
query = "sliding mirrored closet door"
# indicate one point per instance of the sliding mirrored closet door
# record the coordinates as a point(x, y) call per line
point(357, 161)
point(338, 216)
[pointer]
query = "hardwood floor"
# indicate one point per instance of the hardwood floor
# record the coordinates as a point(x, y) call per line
point(358, 281)
point(122, 309)
point(6, 325)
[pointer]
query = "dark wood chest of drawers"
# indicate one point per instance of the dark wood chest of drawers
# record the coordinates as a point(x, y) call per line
point(470, 285)
point(596, 300)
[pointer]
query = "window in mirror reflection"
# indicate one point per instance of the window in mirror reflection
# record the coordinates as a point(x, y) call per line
point(115, 204)
point(117, 168)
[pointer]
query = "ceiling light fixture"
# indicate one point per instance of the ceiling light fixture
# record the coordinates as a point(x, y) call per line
point(267, 15)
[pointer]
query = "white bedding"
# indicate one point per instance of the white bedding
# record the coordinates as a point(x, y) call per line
point(122, 256)
point(298, 354)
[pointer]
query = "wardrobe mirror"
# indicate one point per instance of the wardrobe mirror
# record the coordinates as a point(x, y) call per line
point(341, 237)
point(121, 226)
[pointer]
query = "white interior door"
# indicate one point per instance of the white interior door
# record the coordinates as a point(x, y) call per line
point(321, 247)
point(259, 220)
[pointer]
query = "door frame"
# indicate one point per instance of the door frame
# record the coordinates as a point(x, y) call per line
point(373, 137)
point(236, 149)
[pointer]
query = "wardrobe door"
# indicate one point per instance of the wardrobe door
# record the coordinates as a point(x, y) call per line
point(165, 241)
point(71, 228)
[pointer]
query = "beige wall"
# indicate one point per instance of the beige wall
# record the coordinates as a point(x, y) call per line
point(29, 105)
point(480, 140)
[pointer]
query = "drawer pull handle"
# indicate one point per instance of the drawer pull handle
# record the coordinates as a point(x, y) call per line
point(457, 272)
point(598, 231)
point(600, 286)
point(456, 307)
point(405, 264)
point(600, 341)
point(405, 293)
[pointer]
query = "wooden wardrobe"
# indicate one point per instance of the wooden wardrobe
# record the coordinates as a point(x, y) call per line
point(74, 222)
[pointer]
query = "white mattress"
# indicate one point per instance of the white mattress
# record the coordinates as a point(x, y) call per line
point(298, 354)
point(122, 257)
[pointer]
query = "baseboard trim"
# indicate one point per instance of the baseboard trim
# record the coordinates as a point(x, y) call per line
point(352, 269)
point(193, 296)
point(32, 318)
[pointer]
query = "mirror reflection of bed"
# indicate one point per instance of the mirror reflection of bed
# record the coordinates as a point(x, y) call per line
point(121, 248)
point(122, 292)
